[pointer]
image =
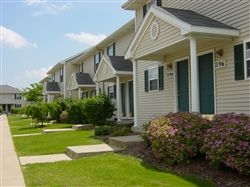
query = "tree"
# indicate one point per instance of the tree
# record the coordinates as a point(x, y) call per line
point(39, 112)
point(33, 93)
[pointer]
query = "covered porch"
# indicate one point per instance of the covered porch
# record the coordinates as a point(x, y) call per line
point(187, 44)
point(81, 86)
point(51, 91)
point(114, 77)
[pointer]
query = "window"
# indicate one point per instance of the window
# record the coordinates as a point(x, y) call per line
point(85, 94)
point(154, 79)
point(147, 6)
point(61, 74)
point(97, 59)
point(81, 67)
point(53, 77)
point(247, 58)
point(242, 61)
point(18, 105)
point(111, 50)
point(18, 97)
point(112, 92)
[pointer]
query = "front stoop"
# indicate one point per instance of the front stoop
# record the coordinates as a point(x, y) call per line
point(126, 142)
point(45, 131)
point(83, 127)
point(75, 152)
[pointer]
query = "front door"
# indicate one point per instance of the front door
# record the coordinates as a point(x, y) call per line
point(182, 85)
point(131, 97)
point(206, 83)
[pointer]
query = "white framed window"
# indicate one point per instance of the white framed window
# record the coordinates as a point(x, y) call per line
point(111, 92)
point(111, 50)
point(18, 96)
point(81, 67)
point(149, 3)
point(153, 78)
point(53, 77)
point(61, 74)
point(97, 59)
point(247, 58)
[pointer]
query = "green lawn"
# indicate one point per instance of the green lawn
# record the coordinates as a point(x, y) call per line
point(21, 125)
point(52, 143)
point(104, 170)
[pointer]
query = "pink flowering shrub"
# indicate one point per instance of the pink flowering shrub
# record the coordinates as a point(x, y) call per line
point(176, 137)
point(228, 142)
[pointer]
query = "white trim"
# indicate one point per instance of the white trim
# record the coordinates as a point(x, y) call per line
point(86, 86)
point(245, 59)
point(150, 68)
point(106, 60)
point(72, 78)
point(123, 73)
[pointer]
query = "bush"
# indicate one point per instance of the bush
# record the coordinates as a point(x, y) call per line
point(228, 142)
point(76, 113)
point(15, 110)
point(176, 137)
point(1, 110)
point(98, 109)
point(54, 111)
point(120, 130)
point(38, 112)
point(102, 130)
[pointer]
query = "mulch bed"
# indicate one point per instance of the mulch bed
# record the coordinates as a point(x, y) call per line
point(220, 177)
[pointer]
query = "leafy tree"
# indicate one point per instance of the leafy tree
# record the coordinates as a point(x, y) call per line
point(39, 112)
point(33, 93)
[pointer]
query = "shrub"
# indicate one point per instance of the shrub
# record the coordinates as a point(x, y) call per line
point(15, 110)
point(176, 137)
point(120, 130)
point(54, 111)
point(228, 142)
point(102, 130)
point(1, 110)
point(98, 109)
point(39, 112)
point(76, 112)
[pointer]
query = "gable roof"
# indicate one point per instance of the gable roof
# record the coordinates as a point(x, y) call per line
point(196, 19)
point(187, 21)
point(120, 64)
point(52, 87)
point(84, 79)
point(6, 89)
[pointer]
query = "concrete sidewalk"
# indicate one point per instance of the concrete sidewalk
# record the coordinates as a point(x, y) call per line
point(10, 170)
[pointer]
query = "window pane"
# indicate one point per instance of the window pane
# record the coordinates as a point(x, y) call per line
point(248, 68)
point(153, 84)
point(153, 73)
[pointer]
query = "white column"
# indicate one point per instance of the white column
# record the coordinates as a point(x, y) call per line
point(79, 93)
point(127, 99)
point(118, 98)
point(64, 81)
point(97, 88)
point(136, 125)
point(195, 99)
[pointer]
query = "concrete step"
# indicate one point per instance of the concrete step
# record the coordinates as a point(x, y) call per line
point(83, 127)
point(126, 142)
point(43, 159)
point(56, 130)
point(75, 152)
point(208, 116)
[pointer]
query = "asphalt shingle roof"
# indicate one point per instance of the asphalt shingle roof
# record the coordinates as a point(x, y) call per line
point(84, 79)
point(120, 64)
point(196, 19)
point(8, 89)
point(52, 87)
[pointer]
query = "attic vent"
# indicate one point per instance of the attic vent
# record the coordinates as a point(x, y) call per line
point(154, 30)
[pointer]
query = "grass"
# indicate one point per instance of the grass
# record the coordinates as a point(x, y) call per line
point(52, 143)
point(21, 125)
point(105, 170)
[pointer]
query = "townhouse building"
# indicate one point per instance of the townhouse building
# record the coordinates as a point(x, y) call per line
point(190, 56)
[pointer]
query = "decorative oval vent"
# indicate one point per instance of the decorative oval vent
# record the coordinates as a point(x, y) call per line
point(154, 30)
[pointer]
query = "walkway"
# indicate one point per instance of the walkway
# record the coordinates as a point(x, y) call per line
point(10, 170)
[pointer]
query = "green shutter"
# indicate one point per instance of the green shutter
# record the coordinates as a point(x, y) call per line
point(158, 3)
point(161, 77)
point(108, 93)
point(114, 91)
point(145, 10)
point(113, 49)
point(238, 62)
point(146, 80)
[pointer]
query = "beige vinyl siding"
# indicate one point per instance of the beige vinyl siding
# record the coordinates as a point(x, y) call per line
point(153, 103)
point(139, 17)
point(122, 43)
point(168, 34)
point(88, 66)
point(235, 13)
point(105, 75)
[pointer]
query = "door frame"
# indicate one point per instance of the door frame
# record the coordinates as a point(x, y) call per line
point(176, 81)
point(215, 91)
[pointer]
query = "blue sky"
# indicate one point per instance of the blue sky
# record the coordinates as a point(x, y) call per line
point(36, 34)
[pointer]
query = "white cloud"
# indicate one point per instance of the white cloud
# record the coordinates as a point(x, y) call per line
point(12, 39)
point(46, 7)
point(37, 74)
point(86, 38)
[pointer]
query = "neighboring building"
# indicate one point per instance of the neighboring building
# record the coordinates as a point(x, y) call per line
point(190, 56)
point(10, 97)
